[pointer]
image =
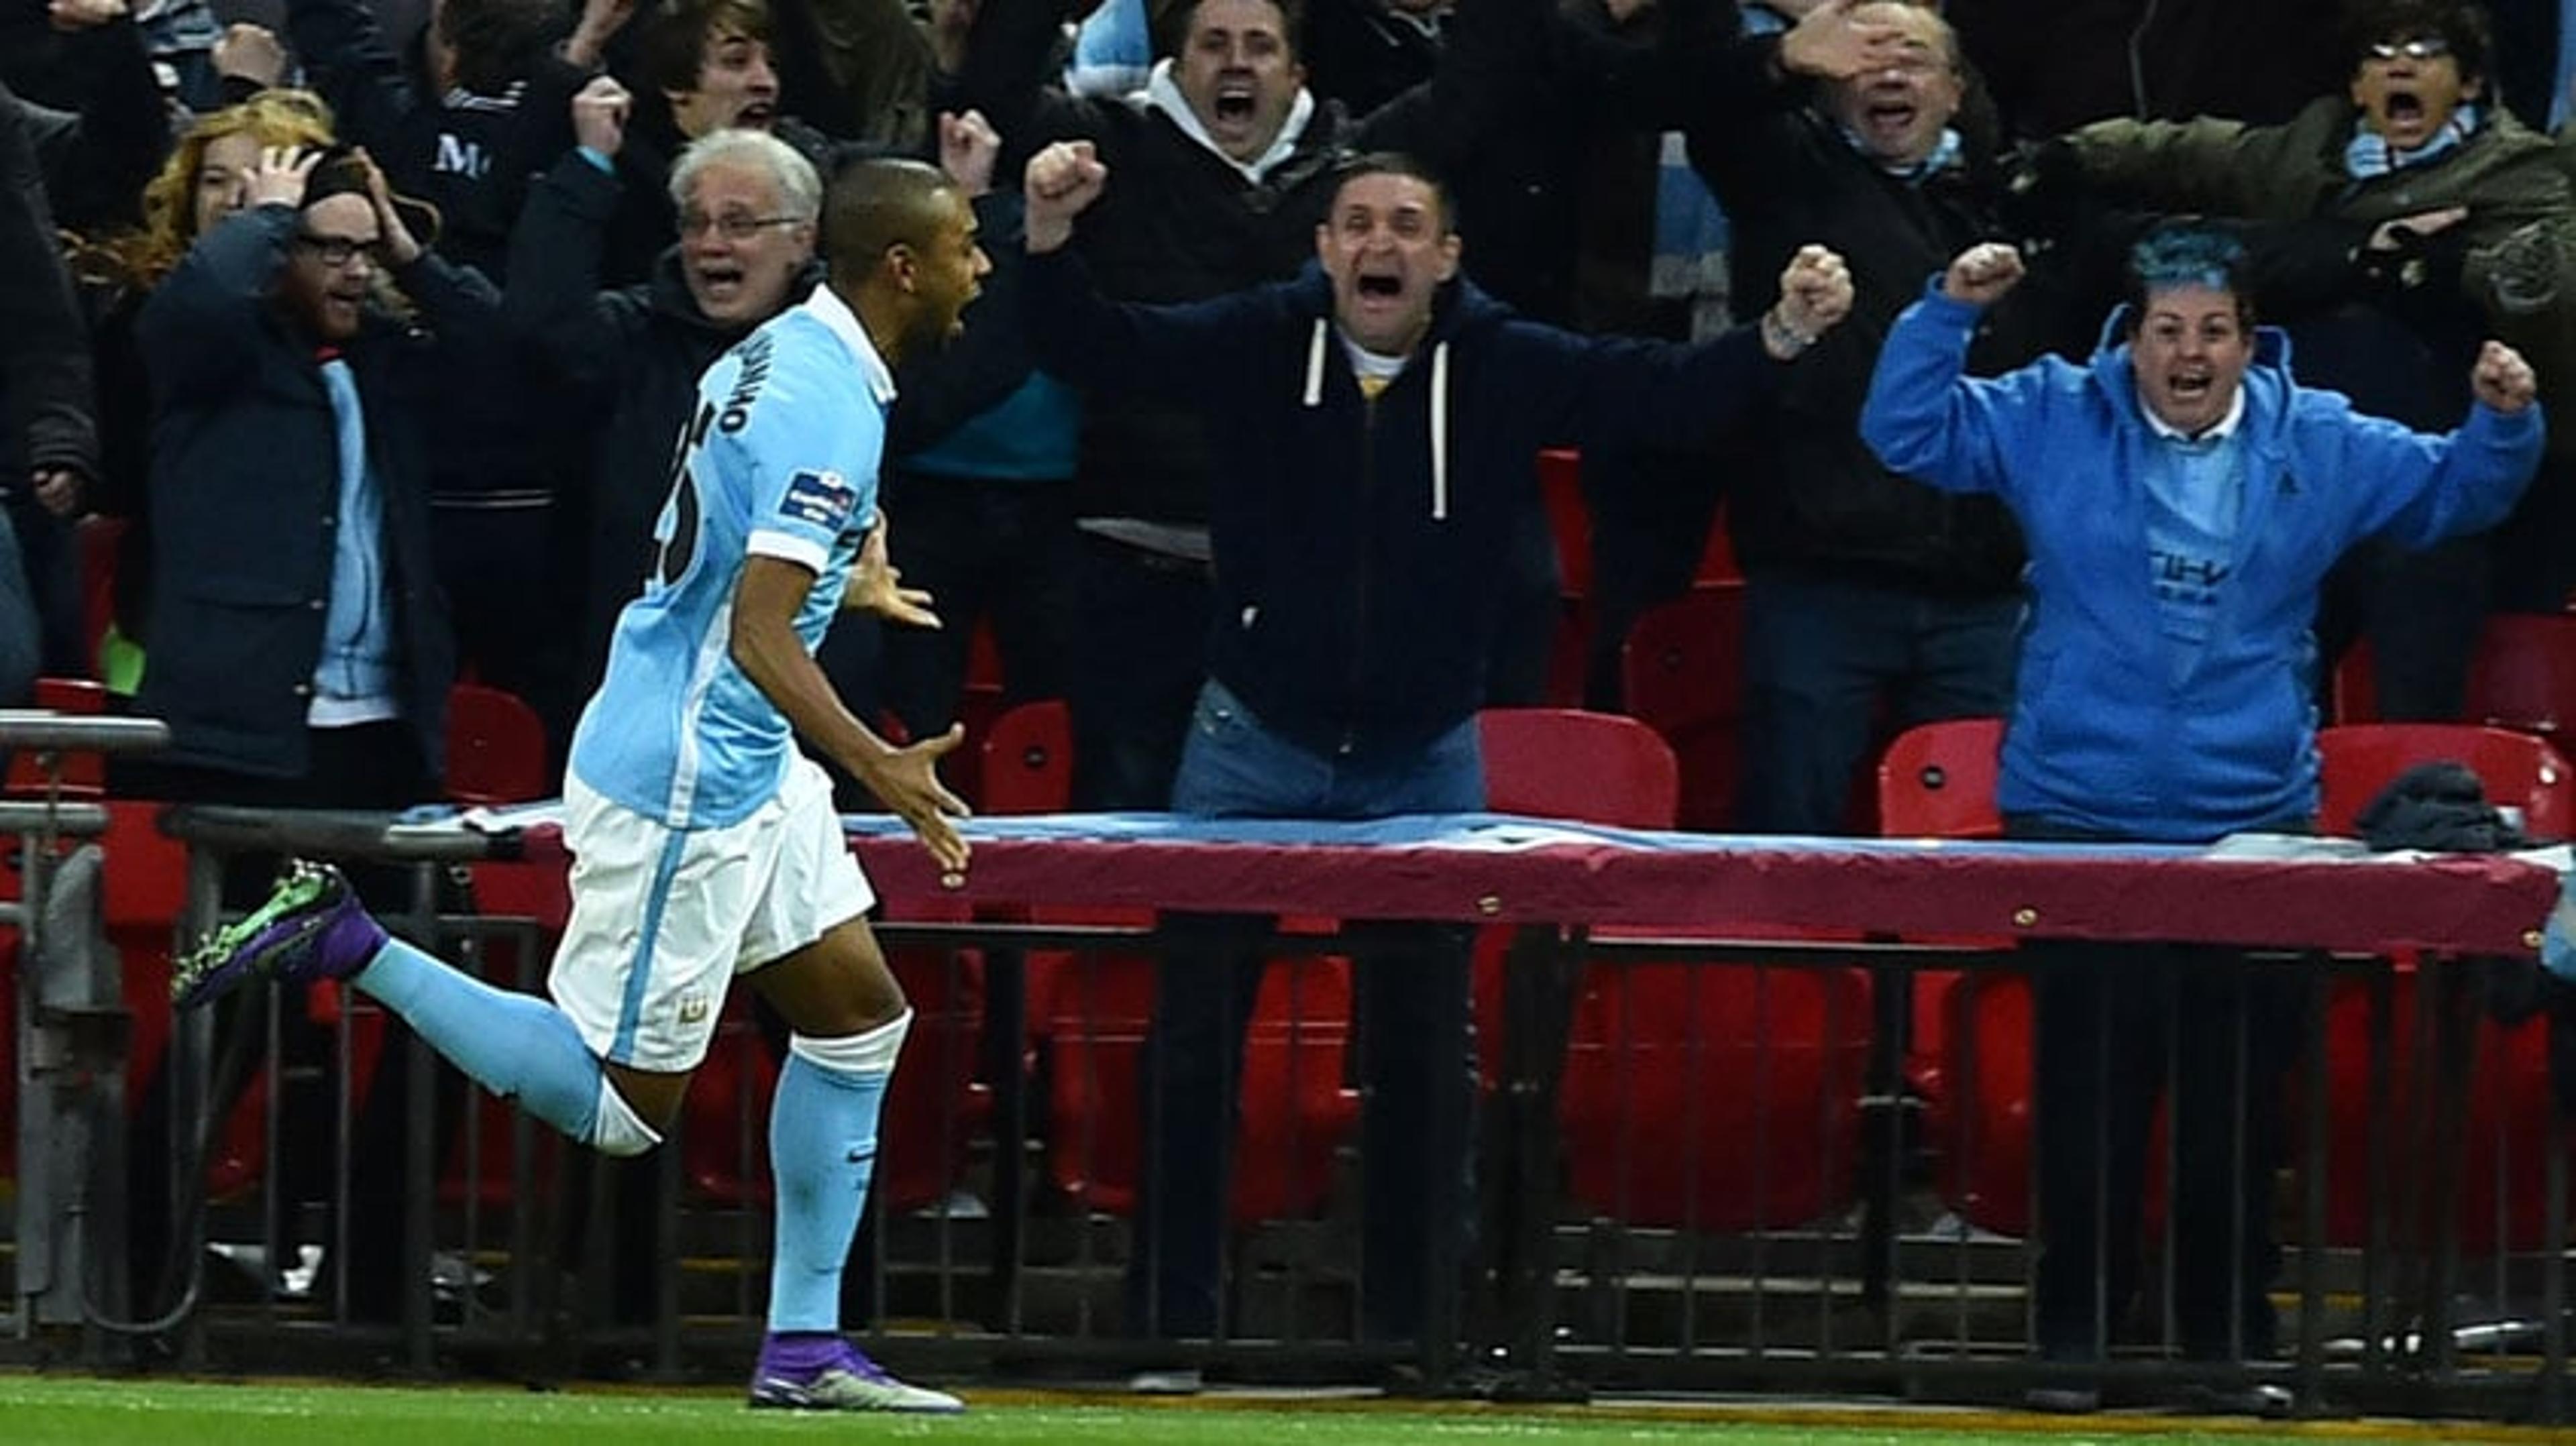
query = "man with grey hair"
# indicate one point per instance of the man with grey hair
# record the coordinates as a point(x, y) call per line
point(702, 823)
point(629, 357)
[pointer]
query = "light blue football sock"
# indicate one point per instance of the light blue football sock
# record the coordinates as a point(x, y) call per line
point(822, 1150)
point(511, 1043)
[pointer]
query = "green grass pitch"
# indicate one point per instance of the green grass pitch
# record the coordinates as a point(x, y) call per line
point(50, 1410)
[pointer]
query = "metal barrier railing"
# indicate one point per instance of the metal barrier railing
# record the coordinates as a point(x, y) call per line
point(1616, 1243)
point(68, 1034)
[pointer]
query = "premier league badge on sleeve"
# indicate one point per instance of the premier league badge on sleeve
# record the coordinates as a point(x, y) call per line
point(819, 499)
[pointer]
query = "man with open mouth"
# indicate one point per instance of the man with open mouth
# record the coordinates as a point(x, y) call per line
point(1381, 415)
point(2410, 217)
point(1868, 600)
point(1226, 160)
point(2182, 497)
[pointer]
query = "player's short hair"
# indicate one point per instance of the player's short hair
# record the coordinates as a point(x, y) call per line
point(2189, 253)
point(800, 190)
point(876, 204)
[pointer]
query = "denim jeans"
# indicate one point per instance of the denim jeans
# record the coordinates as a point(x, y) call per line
point(1410, 987)
point(1820, 656)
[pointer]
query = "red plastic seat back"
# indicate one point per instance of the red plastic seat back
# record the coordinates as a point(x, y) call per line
point(1570, 764)
point(1682, 674)
point(1937, 780)
point(496, 747)
point(1721, 1098)
point(82, 775)
point(2522, 675)
point(2519, 770)
point(2502, 1180)
point(1028, 759)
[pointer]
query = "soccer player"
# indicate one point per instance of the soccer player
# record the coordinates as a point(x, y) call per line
point(704, 842)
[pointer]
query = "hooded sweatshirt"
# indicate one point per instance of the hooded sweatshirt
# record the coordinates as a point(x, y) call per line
point(1357, 541)
point(2107, 733)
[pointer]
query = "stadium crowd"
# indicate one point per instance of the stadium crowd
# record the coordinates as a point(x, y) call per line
point(368, 334)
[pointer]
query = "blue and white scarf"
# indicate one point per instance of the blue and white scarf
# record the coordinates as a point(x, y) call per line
point(2369, 153)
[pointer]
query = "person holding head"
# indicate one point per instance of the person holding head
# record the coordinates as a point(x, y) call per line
point(704, 842)
point(2183, 497)
point(1380, 414)
point(300, 648)
point(2417, 203)
point(462, 120)
point(201, 183)
point(1867, 597)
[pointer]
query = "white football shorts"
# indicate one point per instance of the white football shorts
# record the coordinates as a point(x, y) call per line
point(663, 918)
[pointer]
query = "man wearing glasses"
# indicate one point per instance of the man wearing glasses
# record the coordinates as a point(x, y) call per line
point(622, 364)
point(2398, 225)
point(301, 651)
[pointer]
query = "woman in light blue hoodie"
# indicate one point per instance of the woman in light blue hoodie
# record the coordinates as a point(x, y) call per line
point(2182, 497)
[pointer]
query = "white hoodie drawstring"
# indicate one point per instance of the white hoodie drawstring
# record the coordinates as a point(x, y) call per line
point(1439, 411)
point(1440, 432)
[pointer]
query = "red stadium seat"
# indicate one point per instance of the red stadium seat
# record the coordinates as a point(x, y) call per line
point(2519, 770)
point(1938, 781)
point(1092, 1012)
point(1028, 759)
point(1716, 1097)
point(2522, 676)
point(1682, 674)
point(1971, 1029)
point(496, 747)
point(1567, 763)
point(77, 774)
point(2501, 1174)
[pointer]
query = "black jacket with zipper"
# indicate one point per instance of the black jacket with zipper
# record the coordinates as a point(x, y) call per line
point(1357, 541)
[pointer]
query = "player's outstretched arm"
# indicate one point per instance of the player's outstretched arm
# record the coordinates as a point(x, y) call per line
point(876, 585)
point(767, 649)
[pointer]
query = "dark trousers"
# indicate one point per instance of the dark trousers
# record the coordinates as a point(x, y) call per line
point(1413, 1042)
point(2113, 1027)
point(1002, 550)
point(1651, 514)
point(1823, 656)
point(1410, 998)
point(510, 603)
point(1141, 638)
point(2421, 611)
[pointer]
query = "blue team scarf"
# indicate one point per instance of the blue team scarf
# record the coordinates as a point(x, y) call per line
point(1945, 154)
point(2369, 155)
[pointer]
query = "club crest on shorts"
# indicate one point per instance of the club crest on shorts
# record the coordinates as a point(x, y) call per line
point(819, 499)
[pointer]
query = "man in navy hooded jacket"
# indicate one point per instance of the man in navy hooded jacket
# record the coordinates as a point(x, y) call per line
point(1381, 414)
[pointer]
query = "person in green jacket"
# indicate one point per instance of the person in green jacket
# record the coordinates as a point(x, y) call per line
point(2395, 227)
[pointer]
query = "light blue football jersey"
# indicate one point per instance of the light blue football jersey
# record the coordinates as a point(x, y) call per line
point(779, 460)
